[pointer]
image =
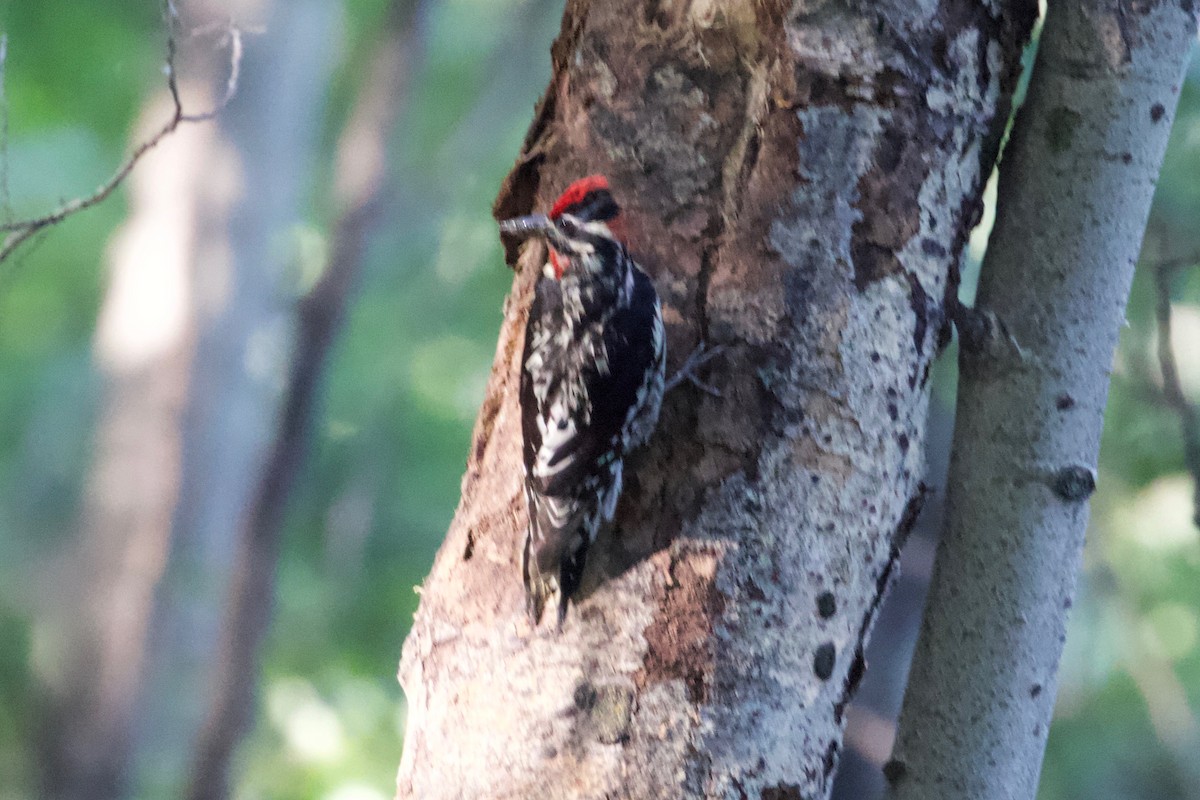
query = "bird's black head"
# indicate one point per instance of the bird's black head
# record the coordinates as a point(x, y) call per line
point(584, 220)
point(588, 200)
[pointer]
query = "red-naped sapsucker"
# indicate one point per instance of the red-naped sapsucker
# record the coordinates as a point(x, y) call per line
point(592, 381)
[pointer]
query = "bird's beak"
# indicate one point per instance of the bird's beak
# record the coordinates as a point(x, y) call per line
point(524, 227)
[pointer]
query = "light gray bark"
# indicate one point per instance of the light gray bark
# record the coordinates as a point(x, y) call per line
point(871, 717)
point(1075, 190)
point(799, 180)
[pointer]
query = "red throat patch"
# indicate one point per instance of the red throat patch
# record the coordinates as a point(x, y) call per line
point(556, 261)
point(576, 192)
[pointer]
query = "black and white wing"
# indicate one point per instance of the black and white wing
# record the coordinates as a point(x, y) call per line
point(586, 397)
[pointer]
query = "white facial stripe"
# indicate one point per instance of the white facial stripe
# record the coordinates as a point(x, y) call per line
point(598, 228)
point(581, 247)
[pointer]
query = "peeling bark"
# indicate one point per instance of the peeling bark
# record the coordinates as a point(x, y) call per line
point(1074, 195)
point(800, 180)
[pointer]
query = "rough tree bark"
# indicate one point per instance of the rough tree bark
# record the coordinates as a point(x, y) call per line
point(871, 717)
point(1075, 191)
point(800, 180)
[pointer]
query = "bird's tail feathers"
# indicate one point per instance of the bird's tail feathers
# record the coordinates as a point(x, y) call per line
point(538, 585)
point(554, 553)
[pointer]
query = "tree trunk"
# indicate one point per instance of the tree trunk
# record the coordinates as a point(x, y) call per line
point(144, 343)
point(359, 197)
point(800, 180)
point(196, 301)
point(244, 286)
point(871, 717)
point(1075, 191)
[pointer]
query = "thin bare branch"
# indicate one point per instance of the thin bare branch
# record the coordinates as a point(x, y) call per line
point(231, 36)
point(1189, 418)
point(1180, 262)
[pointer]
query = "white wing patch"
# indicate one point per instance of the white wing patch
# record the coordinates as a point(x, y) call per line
point(558, 430)
point(558, 510)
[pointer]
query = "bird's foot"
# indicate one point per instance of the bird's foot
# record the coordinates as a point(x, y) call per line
point(699, 357)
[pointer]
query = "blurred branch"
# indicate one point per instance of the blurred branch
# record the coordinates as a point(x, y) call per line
point(1189, 419)
point(230, 37)
point(359, 191)
point(1167, 706)
point(1157, 681)
point(5, 206)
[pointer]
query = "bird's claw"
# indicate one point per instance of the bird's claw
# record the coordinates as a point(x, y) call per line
point(698, 358)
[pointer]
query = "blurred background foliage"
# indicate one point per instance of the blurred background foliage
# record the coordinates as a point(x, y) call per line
point(405, 380)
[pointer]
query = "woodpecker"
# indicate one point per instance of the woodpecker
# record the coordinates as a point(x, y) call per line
point(592, 382)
